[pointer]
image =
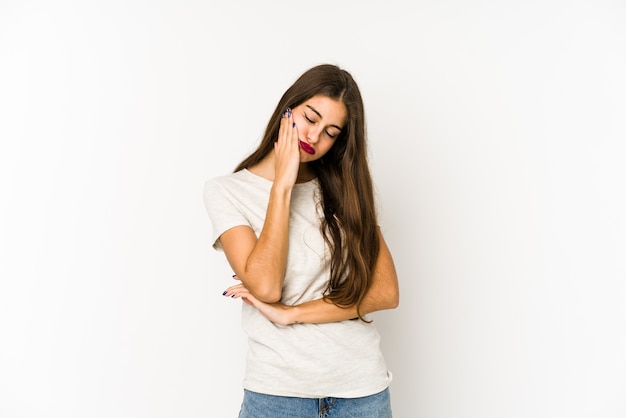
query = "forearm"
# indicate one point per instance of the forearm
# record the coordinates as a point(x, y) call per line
point(321, 311)
point(264, 269)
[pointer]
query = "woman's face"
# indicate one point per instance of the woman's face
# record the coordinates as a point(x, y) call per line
point(319, 122)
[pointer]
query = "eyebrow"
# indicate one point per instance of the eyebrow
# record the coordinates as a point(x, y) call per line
point(320, 115)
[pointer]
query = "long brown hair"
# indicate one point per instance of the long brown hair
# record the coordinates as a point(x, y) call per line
point(350, 222)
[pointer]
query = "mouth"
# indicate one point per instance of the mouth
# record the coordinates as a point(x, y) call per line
point(307, 148)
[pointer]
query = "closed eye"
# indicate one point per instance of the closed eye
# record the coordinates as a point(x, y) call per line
point(312, 122)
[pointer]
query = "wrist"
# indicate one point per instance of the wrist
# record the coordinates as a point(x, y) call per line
point(281, 189)
point(292, 315)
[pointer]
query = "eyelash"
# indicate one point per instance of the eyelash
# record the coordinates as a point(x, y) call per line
point(311, 121)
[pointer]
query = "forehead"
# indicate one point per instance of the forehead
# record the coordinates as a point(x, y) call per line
point(333, 112)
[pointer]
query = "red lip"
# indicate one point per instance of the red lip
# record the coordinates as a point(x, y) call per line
point(307, 148)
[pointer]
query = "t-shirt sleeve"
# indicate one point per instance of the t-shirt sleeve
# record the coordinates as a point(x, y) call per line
point(223, 213)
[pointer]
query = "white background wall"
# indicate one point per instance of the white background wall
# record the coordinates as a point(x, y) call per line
point(497, 145)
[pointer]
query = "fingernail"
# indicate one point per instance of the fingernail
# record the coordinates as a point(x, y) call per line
point(232, 296)
point(224, 293)
point(234, 275)
point(293, 125)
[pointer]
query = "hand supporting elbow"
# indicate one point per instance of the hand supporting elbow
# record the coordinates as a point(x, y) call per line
point(268, 295)
point(263, 290)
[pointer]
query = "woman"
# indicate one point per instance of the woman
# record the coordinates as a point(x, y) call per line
point(297, 223)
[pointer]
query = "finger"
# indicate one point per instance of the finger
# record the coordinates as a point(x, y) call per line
point(286, 122)
point(291, 134)
point(294, 133)
point(241, 293)
point(233, 289)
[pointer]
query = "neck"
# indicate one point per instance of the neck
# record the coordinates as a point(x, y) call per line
point(305, 173)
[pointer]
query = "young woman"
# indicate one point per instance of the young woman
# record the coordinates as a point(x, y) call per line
point(297, 223)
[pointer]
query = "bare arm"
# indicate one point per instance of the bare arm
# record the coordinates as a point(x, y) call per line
point(261, 263)
point(383, 294)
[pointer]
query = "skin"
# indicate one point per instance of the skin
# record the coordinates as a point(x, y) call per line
point(259, 263)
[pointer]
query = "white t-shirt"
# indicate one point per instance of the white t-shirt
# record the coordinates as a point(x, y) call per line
point(339, 359)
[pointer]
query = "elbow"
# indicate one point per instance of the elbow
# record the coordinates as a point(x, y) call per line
point(263, 287)
point(387, 298)
point(273, 297)
point(267, 294)
point(393, 298)
point(395, 302)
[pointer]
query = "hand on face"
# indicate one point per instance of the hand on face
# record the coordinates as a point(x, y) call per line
point(286, 152)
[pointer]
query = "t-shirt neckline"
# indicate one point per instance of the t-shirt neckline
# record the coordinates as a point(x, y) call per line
point(313, 181)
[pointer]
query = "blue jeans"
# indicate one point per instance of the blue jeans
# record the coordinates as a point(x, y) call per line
point(259, 405)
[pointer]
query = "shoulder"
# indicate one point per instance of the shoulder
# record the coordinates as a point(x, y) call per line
point(224, 179)
point(239, 186)
point(238, 180)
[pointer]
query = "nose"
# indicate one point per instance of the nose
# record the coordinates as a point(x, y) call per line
point(313, 135)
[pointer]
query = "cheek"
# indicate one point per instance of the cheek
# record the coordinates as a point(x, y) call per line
point(301, 124)
point(328, 144)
